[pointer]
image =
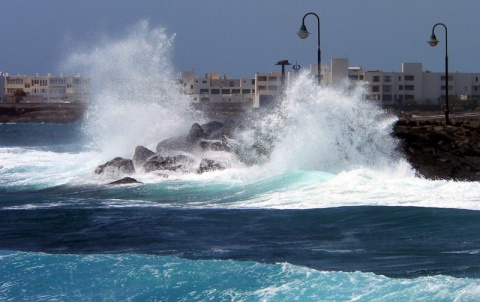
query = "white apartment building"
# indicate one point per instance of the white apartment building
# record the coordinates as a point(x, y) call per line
point(219, 90)
point(412, 83)
point(223, 91)
point(48, 89)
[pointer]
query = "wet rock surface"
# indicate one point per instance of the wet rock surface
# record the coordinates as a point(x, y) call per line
point(437, 151)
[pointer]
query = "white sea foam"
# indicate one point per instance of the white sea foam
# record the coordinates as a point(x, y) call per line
point(136, 100)
point(331, 146)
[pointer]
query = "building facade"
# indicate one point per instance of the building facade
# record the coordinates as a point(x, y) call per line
point(259, 91)
point(412, 84)
point(48, 89)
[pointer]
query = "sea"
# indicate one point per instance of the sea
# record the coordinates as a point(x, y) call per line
point(332, 212)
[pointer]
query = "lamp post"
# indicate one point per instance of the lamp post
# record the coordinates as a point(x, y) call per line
point(434, 42)
point(283, 63)
point(303, 34)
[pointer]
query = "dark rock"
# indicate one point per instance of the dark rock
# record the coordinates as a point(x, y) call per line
point(196, 133)
point(115, 167)
point(213, 130)
point(174, 144)
point(207, 165)
point(141, 155)
point(436, 151)
point(124, 181)
point(213, 145)
point(171, 163)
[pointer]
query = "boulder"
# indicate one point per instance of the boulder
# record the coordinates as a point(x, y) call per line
point(116, 167)
point(213, 130)
point(141, 156)
point(207, 165)
point(213, 145)
point(124, 181)
point(195, 134)
point(178, 162)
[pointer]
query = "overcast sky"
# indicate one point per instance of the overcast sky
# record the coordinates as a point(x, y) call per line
point(239, 38)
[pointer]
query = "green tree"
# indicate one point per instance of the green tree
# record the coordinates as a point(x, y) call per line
point(17, 95)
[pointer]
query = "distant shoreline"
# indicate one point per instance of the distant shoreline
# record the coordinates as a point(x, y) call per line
point(55, 113)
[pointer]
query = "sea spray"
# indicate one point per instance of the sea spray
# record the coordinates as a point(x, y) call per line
point(136, 99)
point(325, 129)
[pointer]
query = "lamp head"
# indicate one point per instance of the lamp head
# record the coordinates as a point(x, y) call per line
point(433, 40)
point(303, 33)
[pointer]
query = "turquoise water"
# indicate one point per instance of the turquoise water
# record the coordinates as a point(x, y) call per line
point(300, 235)
point(44, 277)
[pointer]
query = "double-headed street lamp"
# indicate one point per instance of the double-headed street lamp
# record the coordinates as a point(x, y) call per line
point(303, 34)
point(434, 42)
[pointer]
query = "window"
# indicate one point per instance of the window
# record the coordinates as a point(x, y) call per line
point(387, 78)
point(400, 87)
point(450, 78)
point(387, 97)
point(376, 79)
point(409, 87)
point(204, 82)
point(409, 78)
point(232, 84)
point(15, 81)
point(253, 81)
point(245, 91)
point(272, 78)
point(353, 77)
point(409, 97)
point(262, 78)
point(272, 87)
point(450, 87)
point(399, 78)
point(387, 88)
point(361, 77)
point(235, 91)
point(375, 88)
point(203, 91)
point(225, 91)
point(262, 87)
point(215, 91)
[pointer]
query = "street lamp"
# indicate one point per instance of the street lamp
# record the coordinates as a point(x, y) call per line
point(434, 42)
point(303, 34)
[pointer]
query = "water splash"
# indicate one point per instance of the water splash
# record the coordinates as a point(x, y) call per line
point(136, 100)
point(326, 129)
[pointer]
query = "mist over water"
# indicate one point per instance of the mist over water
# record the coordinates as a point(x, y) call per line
point(330, 129)
point(136, 100)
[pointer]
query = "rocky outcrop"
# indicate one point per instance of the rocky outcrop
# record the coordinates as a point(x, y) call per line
point(141, 156)
point(118, 166)
point(177, 153)
point(125, 181)
point(434, 150)
point(178, 162)
point(207, 165)
point(437, 151)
